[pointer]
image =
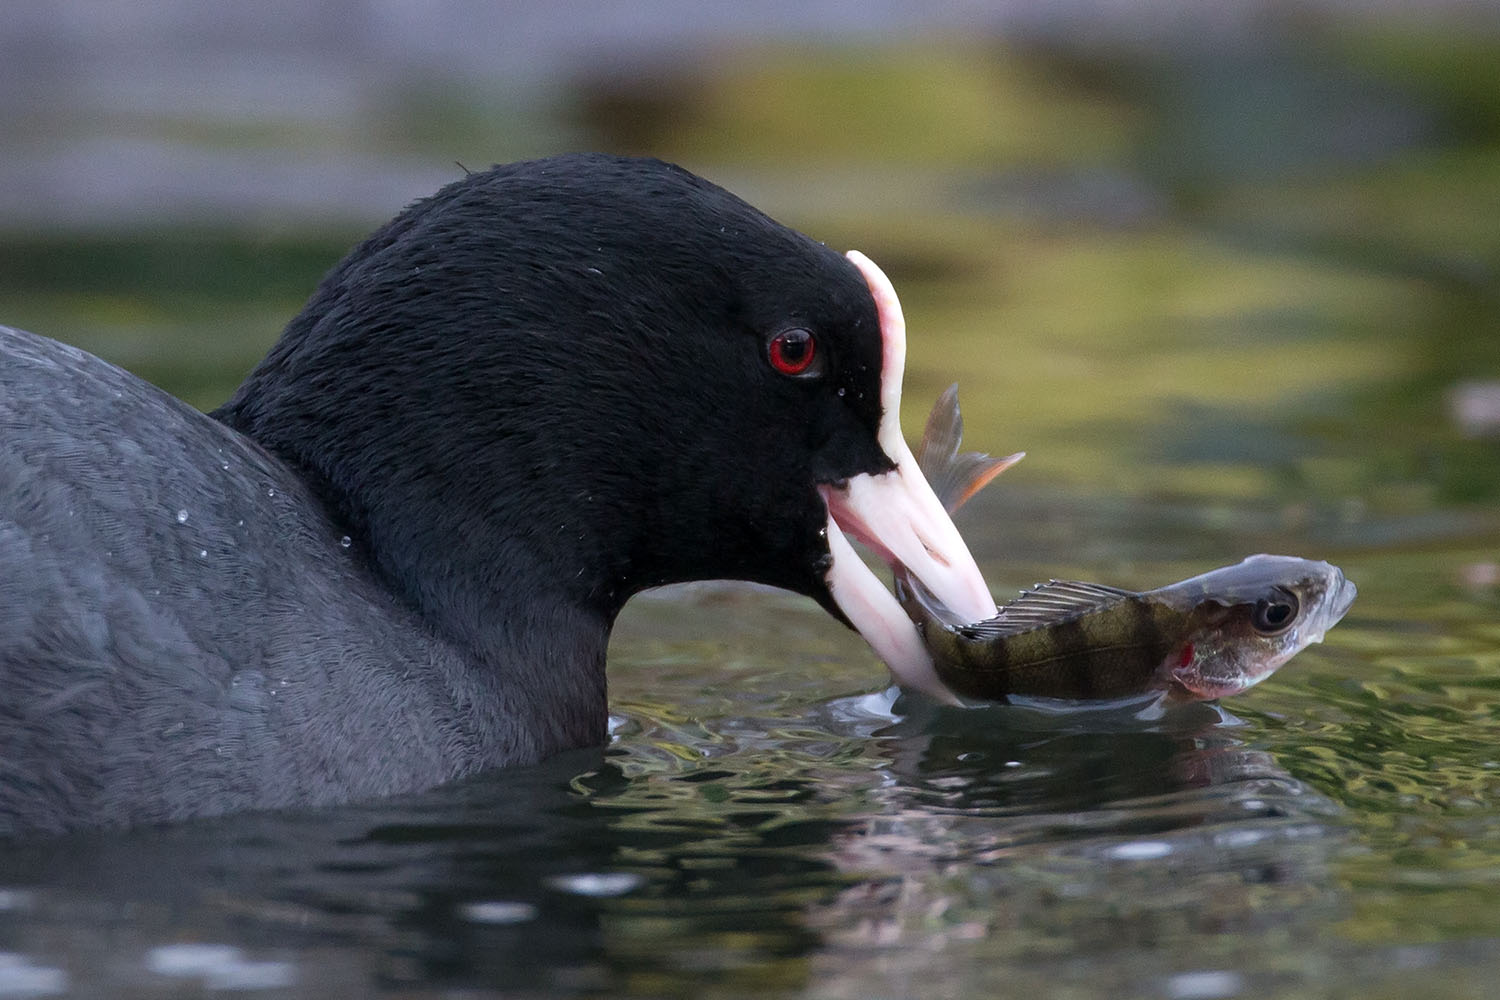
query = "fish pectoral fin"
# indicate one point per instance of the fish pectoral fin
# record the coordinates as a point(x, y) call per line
point(942, 435)
point(955, 477)
point(1046, 604)
point(970, 473)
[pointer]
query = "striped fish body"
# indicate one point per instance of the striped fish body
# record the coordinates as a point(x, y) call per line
point(1060, 640)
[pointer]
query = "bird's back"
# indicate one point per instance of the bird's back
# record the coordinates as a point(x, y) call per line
point(183, 630)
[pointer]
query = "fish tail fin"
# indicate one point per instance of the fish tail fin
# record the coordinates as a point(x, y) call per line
point(955, 477)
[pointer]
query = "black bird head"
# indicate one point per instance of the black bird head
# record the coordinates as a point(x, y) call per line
point(570, 379)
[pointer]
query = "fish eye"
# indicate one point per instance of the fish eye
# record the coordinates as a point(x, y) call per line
point(794, 352)
point(1275, 613)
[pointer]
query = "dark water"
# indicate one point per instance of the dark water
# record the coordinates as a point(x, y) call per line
point(1231, 299)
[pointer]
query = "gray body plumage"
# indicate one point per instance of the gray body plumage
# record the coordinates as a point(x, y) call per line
point(159, 658)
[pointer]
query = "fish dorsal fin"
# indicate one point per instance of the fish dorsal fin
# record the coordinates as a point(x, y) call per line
point(954, 477)
point(1046, 604)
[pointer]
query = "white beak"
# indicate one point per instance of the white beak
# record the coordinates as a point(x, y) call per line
point(899, 517)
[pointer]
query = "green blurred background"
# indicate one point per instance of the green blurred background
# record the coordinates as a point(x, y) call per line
point(1167, 252)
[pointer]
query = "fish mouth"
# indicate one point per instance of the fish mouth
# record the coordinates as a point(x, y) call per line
point(1342, 600)
point(897, 516)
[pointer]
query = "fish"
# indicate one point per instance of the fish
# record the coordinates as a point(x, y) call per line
point(1203, 638)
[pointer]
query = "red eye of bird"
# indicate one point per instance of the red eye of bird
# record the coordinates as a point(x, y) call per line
point(792, 352)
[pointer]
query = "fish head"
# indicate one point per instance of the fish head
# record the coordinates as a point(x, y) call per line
point(1245, 621)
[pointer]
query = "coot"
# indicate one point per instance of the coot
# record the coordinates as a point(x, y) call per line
point(394, 556)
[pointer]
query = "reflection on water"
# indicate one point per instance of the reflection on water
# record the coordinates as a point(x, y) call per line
point(857, 834)
point(1229, 304)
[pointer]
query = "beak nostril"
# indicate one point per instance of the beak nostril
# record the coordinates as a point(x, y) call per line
point(934, 551)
